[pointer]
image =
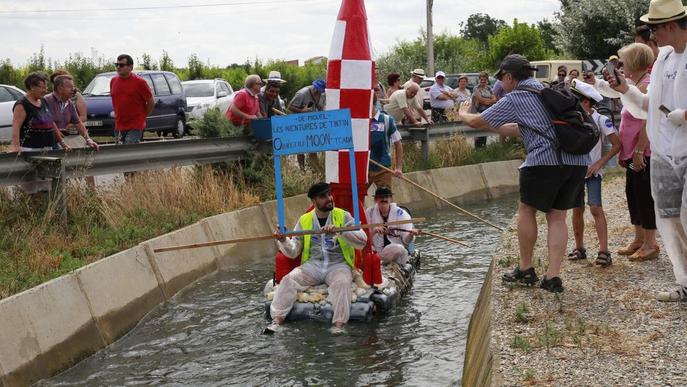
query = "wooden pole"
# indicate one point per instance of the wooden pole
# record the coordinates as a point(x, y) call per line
point(276, 236)
point(430, 39)
point(434, 235)
point(279, 112)
point(436, 196)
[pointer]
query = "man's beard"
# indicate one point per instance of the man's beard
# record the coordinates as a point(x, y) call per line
point(327, 206)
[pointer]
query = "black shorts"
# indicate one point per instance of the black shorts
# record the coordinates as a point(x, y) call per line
point(558, 187)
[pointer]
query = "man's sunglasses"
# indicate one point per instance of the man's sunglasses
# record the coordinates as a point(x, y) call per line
point(119, 65)
point(654, 27)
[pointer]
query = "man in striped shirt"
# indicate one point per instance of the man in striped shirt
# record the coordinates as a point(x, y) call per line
point(551, 180)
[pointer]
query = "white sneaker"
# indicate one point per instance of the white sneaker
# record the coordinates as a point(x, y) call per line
point(679, 294)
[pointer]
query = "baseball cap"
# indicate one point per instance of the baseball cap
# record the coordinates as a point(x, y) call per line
point(514, 62)
point(440, 74)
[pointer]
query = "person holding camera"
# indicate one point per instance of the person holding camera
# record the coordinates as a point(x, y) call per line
point(664, 107)
point(560, 172)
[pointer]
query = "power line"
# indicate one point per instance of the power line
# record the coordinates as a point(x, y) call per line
point(208, 5)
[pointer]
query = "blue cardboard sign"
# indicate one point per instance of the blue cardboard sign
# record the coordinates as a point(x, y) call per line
point(307, 133)
point(312, 132)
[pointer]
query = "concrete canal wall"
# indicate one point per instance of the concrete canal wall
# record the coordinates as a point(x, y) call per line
point(51, 327)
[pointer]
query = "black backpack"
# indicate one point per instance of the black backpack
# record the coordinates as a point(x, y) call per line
point(576, 131)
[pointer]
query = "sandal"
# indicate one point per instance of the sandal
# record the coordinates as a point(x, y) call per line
point(603, 259)
point(630, 249)
point(639, 257)
point(577, 254)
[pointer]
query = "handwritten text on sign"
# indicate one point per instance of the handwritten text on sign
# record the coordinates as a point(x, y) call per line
point(312, 132)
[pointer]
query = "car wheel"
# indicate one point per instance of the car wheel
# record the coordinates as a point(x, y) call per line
point(160, 133)
point(180, 129)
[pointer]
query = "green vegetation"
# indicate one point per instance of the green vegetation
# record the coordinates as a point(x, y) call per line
point(522, 313)
point(84, 69)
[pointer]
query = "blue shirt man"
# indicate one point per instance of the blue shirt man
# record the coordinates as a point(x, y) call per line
point(551, 180)
point(383, 133)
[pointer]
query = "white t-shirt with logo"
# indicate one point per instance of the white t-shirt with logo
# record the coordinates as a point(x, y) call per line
point(666, 129)
point(606, 128)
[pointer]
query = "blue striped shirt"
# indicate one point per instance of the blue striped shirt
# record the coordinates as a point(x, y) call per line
point(525, 109)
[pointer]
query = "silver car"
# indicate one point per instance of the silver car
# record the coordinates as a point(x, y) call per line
point(8, 96)
point(203, 94)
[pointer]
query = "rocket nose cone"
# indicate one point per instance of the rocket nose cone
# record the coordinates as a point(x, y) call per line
point(351, 9)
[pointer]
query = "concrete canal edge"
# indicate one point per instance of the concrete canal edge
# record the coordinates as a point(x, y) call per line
point(49, 328)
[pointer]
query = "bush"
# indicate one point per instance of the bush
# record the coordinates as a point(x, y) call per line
point(214, 124)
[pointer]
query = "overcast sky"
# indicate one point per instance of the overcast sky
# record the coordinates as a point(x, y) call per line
point(230, 33)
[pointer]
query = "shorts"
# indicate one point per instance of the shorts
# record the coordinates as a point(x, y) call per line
point(593, 190)
point(380, 178)
point(559, 187)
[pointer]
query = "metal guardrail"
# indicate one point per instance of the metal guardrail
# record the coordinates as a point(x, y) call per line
point(168, 153)
point(121, 158)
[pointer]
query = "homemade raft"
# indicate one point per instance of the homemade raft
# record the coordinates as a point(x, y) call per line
point(366, 302)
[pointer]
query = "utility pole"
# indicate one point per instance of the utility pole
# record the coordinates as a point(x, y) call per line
point(430, 40)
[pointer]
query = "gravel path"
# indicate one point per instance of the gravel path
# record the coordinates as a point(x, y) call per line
point(606, 329)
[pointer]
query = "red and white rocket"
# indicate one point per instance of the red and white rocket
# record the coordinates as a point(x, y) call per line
point(350, 80)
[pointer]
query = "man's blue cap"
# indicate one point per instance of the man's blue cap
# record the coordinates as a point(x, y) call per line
point(319, 84)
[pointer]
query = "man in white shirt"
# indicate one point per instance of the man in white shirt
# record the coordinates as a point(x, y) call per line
point(441, 97)
point(403, 106)
point(416, 77)
point(664, 108)
point(588, 98)
point(391, 243)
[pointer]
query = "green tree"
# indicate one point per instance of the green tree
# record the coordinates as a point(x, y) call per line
point(37, 61)
point(480, 26)
point(548, 34)
point(166, 63)
point(147, 62)
point(195, 67)
point(589, 29)
point(8, 74)
point(520, 38)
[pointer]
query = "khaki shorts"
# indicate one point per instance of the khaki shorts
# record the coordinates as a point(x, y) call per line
point(380, 178)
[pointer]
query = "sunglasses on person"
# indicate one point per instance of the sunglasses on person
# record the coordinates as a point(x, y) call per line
point(120, 65)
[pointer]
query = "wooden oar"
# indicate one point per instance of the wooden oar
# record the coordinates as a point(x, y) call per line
point(434, 235)
point(274, 236)
point(436, 196)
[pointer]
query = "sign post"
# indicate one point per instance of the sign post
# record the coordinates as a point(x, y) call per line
point(308, 133)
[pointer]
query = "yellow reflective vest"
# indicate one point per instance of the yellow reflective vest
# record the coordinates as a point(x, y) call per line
point(338, 216)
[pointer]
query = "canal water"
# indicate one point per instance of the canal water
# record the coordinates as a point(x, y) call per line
point(209, 335)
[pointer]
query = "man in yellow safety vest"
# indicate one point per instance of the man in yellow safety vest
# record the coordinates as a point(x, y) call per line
point(325, 258)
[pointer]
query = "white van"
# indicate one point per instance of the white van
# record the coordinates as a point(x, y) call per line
point(547, 70)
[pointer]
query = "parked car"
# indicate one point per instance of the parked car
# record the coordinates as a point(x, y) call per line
point(169, 115)
point(8, 96)
point(204, 94)
point(452, 82)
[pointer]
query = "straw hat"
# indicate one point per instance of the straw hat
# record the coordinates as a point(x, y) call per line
point(418, 72)
point(663, 11)
point(274, 76)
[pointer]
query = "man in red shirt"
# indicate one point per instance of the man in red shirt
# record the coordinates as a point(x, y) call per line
point(246, 106)
point(132, 101)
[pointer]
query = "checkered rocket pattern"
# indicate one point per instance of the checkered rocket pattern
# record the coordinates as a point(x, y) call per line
point(350, 76)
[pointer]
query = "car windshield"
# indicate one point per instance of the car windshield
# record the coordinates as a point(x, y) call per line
point(100, 85)
point(199, 89)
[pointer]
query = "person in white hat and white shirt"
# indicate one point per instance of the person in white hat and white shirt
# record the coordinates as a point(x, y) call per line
point(589, 97)
point(664, 108)
point(416, 77)
point(441, 97)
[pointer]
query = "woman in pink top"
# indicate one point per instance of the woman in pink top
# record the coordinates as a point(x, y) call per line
point(634, 156)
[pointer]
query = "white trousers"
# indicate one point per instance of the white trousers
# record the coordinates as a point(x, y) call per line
point(668, 187)
point(338, 278)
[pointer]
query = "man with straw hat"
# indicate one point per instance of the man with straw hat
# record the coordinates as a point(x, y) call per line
point(268, 99)
point(664, 108)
